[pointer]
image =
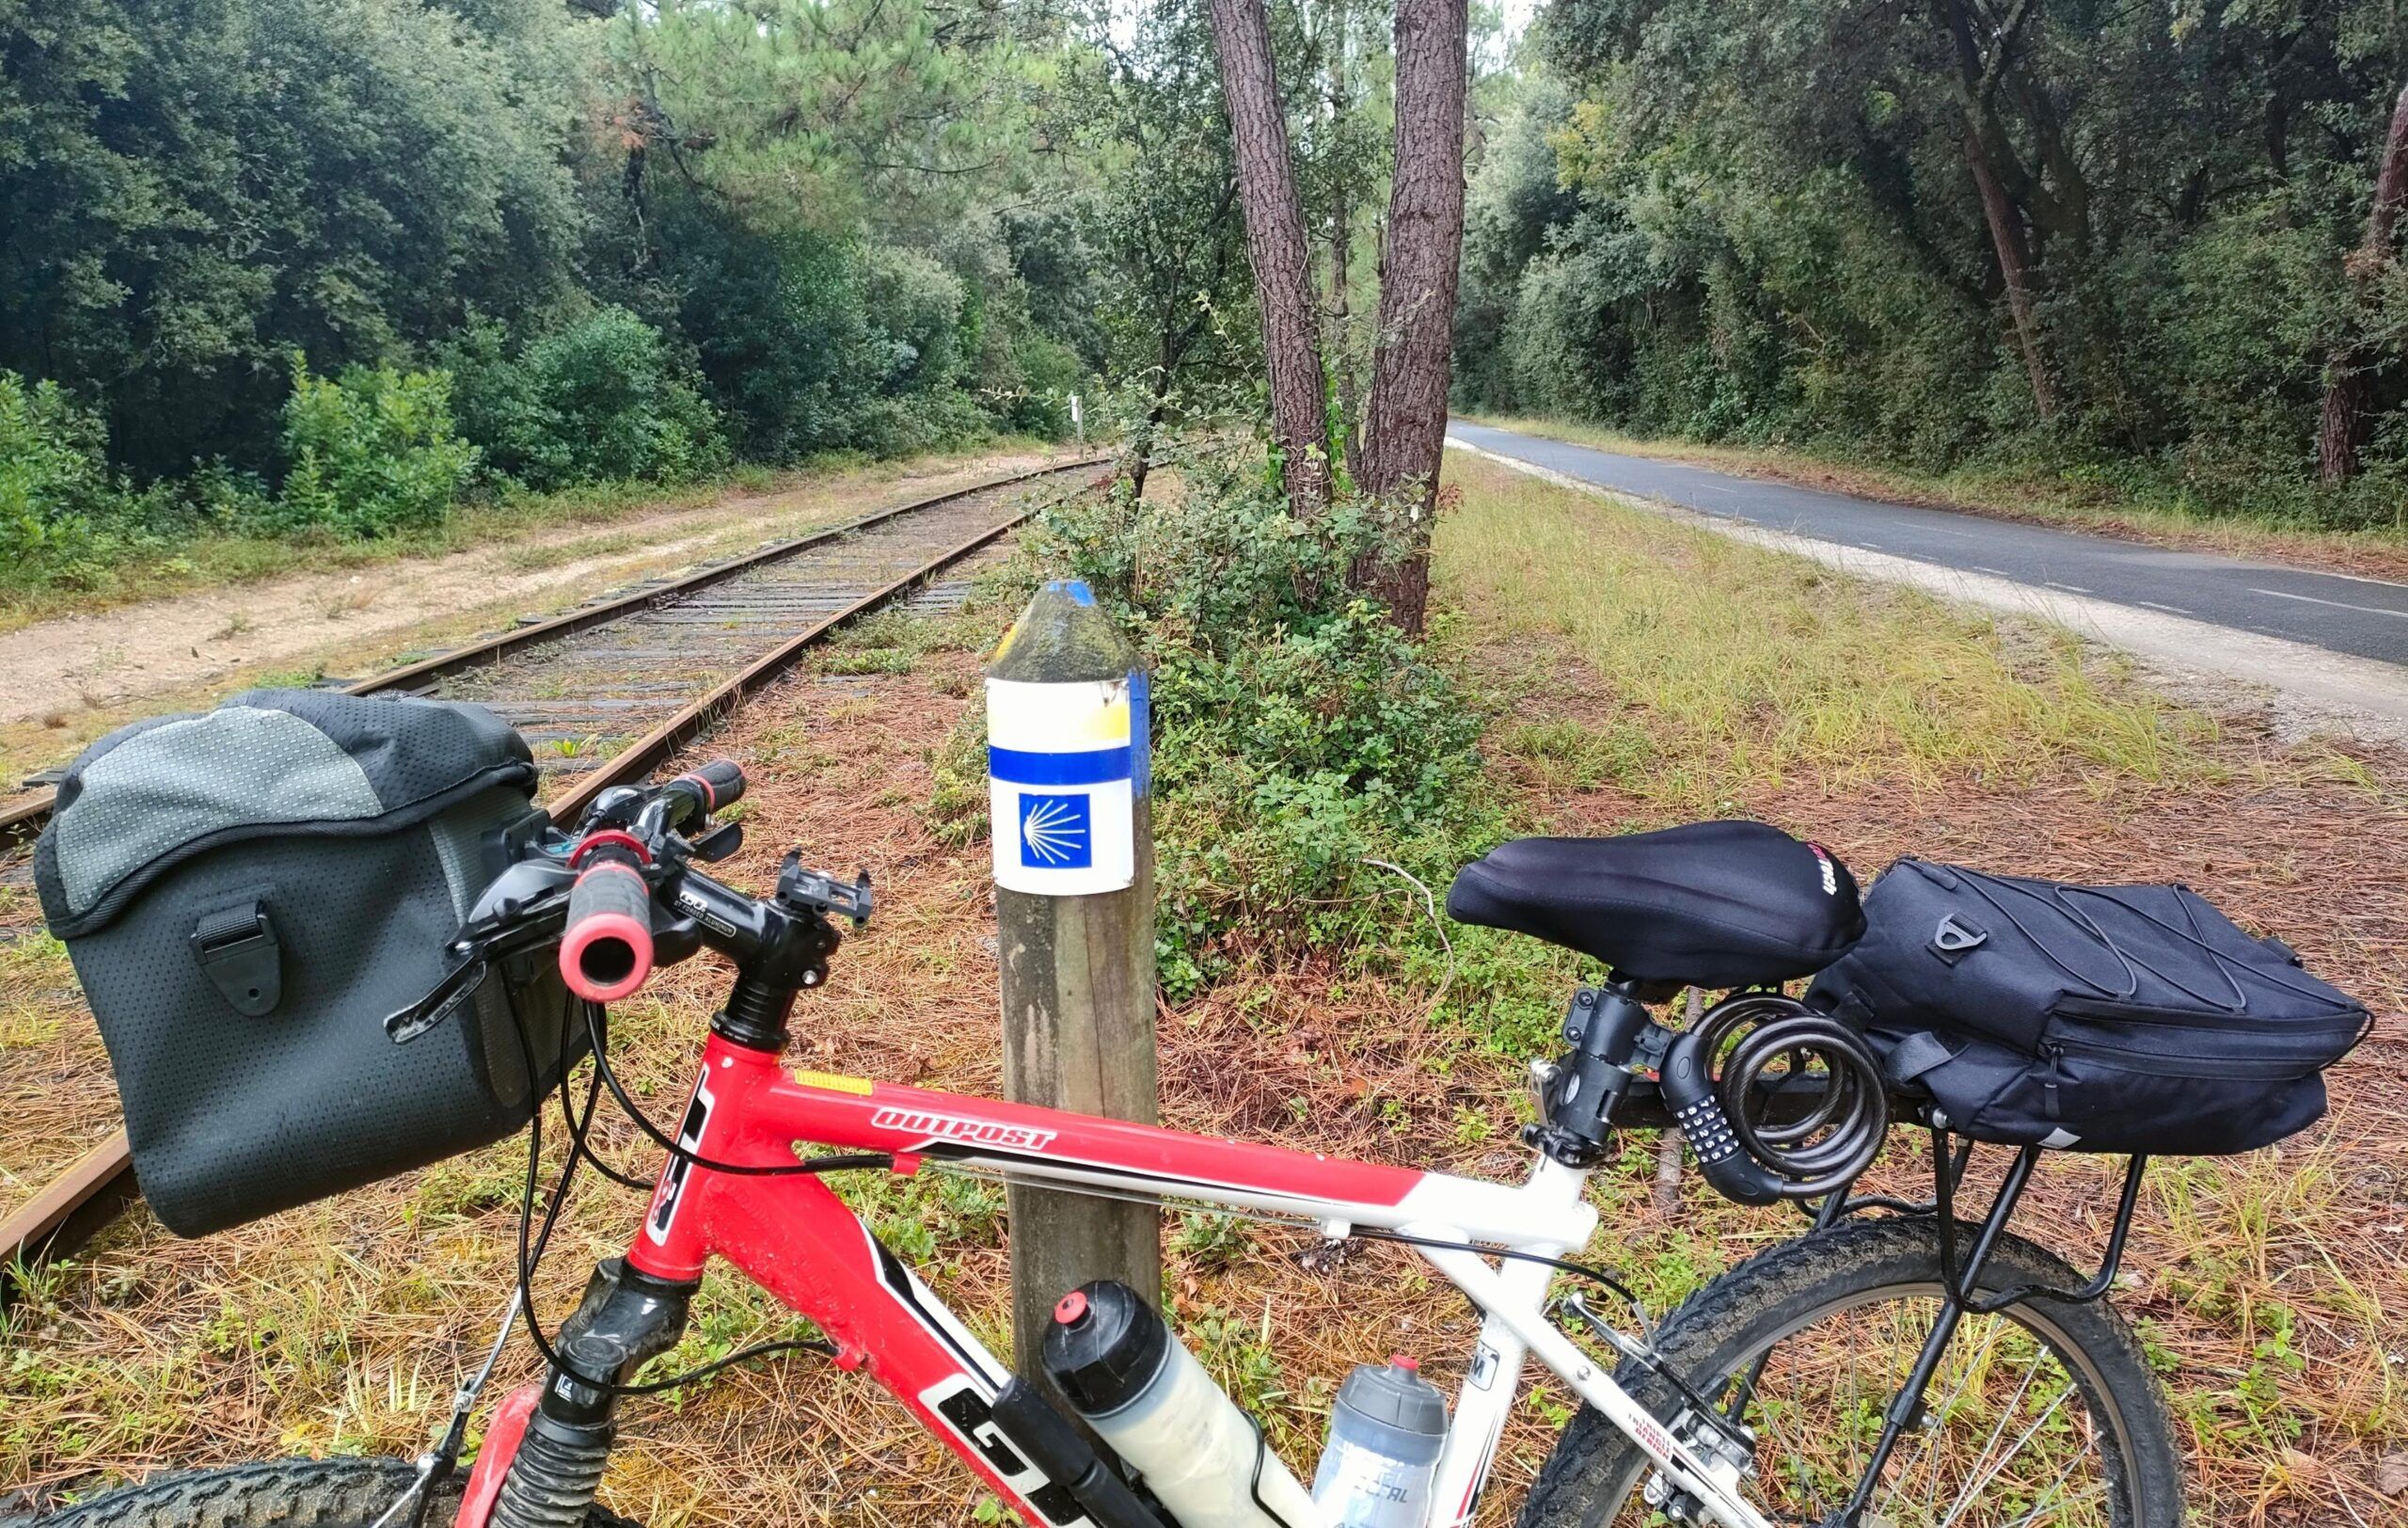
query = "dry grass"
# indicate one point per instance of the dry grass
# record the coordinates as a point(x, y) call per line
point(2270, 1284)
point(2065, 499)
point(2271, 1287)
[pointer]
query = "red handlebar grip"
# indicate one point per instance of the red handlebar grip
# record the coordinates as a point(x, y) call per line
point(606, 950)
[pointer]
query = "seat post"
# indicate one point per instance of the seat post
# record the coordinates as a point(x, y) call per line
point(1607, 1027)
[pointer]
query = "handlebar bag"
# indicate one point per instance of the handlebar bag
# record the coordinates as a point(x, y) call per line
point(2087, 1018)
point(246, 893)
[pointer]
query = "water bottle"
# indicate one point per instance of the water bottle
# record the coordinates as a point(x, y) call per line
point(1143, 1392)
point(1385, 1430)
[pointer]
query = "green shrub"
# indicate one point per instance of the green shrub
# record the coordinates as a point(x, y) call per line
point(54, 472)
point(1035, 398)
point(370, 453)
point(917, 308)
point(601, 399)
point(1297, 734)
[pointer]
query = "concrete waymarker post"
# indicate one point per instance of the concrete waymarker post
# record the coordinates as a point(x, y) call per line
point(1068, 774)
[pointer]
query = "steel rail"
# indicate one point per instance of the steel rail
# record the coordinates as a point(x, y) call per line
point(76, 1205)
point(21, 823)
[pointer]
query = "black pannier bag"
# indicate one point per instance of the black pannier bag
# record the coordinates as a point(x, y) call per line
point(247, 893)
point(2087, 1018)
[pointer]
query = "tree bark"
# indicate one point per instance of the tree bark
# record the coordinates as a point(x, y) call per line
point(1341, 238)
point(2340, 431)
point(1979, 76)
point(1275, 241)
point(2014, 269)
point(1404, 423)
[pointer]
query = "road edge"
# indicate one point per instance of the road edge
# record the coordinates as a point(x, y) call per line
point(2329, 692)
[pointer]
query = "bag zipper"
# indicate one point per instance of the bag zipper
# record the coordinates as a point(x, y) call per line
point(2124, 1058)
point(2338, 1020)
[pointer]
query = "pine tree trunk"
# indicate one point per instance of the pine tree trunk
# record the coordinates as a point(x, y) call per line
point(2014, 269)
point(2339, 432)
point(1983, 65)
point(1275, 241)
point(1341, 240)
point(1404, 425)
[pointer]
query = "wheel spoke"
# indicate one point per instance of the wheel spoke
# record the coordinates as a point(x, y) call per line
point(2039, 1426)
point(1934, 1419)
point(2051, 1494)
point(1973, 1488)
point(2006, 1415)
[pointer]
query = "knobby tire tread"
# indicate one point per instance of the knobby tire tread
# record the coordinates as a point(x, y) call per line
point(1594, 1467)
point(286, 1493)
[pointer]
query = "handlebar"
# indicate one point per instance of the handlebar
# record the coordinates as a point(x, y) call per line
point(606, 946)
point(625, 894)
point(699, 792)
point(606, 943)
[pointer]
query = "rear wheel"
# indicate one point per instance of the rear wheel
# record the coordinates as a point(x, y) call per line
point(287, 1493)
point(2045, 1413)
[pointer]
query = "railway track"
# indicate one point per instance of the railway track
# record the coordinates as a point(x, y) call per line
point(609, 691)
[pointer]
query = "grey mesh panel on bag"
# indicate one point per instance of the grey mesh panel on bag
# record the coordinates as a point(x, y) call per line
point(247, 893)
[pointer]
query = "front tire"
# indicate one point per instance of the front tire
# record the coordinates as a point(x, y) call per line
point(278, 1493)
point(1824, 1299)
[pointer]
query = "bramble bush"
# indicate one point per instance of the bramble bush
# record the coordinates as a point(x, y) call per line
point(602, 398)
point(370, 453)
point(1297, 732)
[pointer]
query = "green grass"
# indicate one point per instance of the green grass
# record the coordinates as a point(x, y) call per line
point(1737, 668)
point(2139, 504)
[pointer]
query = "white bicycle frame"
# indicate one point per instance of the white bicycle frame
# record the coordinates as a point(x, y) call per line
point(1547, 1216)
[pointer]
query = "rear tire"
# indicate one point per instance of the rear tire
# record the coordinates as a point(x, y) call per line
point(1591, 1477)
point(276, 1493)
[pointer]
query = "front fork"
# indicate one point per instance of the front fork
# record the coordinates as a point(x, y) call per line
point(548, 1479)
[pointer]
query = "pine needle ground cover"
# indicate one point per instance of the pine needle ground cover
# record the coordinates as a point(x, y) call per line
point(1624, 675)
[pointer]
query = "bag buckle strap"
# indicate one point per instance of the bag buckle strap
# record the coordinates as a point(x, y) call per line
point(238, 951)
point(1954, 937)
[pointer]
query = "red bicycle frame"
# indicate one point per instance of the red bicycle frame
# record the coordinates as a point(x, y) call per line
point(795, 1237)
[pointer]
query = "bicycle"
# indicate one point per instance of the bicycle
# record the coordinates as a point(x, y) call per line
point(1798, 1387)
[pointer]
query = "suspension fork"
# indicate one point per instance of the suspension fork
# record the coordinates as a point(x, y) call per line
point(548, 1478)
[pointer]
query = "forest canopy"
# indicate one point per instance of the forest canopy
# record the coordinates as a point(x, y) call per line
point(632, 245)
point(2131, 240)
point(528, 244)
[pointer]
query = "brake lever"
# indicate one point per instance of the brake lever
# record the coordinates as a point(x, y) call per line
point(479, 943)
point(437, 1005)
point(718, 843)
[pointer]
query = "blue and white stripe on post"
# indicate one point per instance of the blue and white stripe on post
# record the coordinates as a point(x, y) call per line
point(1064, 762)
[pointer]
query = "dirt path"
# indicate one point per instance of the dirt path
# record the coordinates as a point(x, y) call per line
point(63, 681)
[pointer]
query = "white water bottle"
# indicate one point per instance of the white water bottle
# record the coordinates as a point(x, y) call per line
point(1143, 1392)
point(1386, 1431)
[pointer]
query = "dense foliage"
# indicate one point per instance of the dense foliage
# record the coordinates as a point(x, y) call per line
point(1766, 221)
point(1299, 734)
point(589, 243)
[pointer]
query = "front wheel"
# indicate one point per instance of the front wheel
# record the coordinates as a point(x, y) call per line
point(285, 1494)
point(2045, 1413)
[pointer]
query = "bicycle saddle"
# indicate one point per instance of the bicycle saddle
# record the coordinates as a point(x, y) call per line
point(1708, 904)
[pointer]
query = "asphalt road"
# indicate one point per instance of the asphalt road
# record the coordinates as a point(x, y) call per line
point(2363, 617)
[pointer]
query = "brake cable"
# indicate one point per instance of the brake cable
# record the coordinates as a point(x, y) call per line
point(849, 1162)
point(529, 1259)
